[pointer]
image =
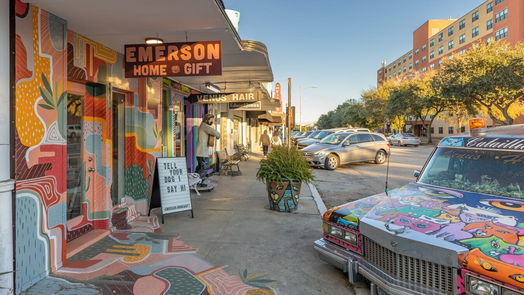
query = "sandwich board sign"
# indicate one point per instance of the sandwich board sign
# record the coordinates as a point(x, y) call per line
point(171, 186)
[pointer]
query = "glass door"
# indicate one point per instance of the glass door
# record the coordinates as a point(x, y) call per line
point(75, 166)
point(118, 108)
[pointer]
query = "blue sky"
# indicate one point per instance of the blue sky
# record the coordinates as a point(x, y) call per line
point(336, 45)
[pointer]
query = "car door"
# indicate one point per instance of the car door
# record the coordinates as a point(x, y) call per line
point(349, 149)
point(366, 147)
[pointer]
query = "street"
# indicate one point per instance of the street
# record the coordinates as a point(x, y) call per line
point(356, 181)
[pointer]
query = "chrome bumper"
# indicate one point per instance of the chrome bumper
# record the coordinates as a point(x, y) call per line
point(355, 265)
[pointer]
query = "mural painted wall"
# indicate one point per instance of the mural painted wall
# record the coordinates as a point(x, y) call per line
point(49, 59)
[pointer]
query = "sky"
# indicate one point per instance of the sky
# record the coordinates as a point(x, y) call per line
point(335, 45)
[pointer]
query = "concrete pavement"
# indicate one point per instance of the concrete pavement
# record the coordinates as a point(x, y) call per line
point(233, 226)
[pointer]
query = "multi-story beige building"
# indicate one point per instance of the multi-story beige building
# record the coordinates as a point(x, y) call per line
point(436, 40)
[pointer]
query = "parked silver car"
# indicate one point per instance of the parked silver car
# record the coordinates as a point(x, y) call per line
point(304, 142)
point(347, 147)
point(402, 139)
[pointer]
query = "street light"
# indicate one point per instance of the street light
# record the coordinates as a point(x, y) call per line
point(300, 105)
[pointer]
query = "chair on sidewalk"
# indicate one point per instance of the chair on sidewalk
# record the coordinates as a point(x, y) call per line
point(226, 164)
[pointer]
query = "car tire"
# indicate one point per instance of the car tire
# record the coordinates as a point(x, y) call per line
point(332, 162)
point(381, 157)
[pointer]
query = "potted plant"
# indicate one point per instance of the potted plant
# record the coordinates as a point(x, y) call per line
point(283, 171)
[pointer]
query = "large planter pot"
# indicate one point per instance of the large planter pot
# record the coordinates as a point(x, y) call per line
point(283, 195)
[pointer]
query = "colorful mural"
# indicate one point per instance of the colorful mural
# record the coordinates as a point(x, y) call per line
point(491, 227)
point(148, 263)
point(52, 62)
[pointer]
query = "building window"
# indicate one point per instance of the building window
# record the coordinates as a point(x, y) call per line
point(489, 7)
point(498, 1)
point(404, 60)
point(417, 51)
point(424, 47)
point(501, 15)
point(450, 130)
point(399, 72)
point(462, 24)
point(424, 69)
point(502, 33)
point(475, 32)
point(416, 62)
point(451, 30)
point(398, 64)
point(490, 39)
point(432, 66)
point(440, 37)
point(431, 42)
point(441, 130)
point(424, 58)
point(432, 54)
point(475, 16)
point(410, 65)
point(489, 24)
point(432, 130)
point(410, 56)
point(462, 51)
point(440, 49)
point(462, 39)
point(405, 69)
point(451, 44)
point(463, 129)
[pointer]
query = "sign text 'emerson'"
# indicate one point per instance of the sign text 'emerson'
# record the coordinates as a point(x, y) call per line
point(173, 59)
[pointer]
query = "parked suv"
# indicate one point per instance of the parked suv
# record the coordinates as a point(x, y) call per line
point(347, 147)
point(304, 142)
point(458, 229)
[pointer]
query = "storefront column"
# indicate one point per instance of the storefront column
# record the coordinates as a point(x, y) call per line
point(6, 184)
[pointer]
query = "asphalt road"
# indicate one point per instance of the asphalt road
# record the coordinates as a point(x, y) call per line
point(356, 181)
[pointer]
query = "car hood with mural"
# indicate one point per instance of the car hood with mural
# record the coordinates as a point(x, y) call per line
point(487, 232)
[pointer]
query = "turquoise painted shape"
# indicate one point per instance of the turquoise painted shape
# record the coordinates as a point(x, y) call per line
point(32, 257)
point(56, 215)
point(94, 146)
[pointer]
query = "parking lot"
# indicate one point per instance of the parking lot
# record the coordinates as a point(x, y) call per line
point(355, 181)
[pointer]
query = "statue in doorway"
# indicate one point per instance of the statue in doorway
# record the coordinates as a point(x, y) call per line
point(206, 139)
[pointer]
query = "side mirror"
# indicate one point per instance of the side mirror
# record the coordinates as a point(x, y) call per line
point(346, 143)
point(416, 173)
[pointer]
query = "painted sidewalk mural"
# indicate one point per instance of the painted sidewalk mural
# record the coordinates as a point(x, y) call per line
point(149, 263)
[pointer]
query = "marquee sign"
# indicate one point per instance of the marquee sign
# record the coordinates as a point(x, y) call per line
point(237, 97)
point(173, 59)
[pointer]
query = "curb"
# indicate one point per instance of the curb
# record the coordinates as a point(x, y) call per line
point(318, 200)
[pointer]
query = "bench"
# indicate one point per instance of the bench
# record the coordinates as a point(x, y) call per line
point(226, 163)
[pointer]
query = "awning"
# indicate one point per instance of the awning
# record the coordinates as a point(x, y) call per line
point(271, 118)
point(118, 22)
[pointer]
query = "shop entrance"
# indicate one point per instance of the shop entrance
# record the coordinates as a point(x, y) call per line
point(173, 140)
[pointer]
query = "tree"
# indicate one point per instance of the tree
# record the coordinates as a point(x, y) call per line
point(490, 77)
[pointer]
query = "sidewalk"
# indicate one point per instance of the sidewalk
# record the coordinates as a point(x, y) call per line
point(233, 226)
point(257, 251)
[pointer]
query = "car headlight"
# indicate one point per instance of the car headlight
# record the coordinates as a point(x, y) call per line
point(337, 232)
point(480, 287)
point(351, 238)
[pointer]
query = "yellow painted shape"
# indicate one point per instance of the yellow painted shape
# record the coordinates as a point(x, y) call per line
point(141, 250)
point(99, 51)
point(132, 134)
point(30, 128)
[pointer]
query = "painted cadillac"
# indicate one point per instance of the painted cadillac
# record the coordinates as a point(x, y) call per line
point(458, 229)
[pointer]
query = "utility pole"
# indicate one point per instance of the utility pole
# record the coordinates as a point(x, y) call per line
point(289, 111)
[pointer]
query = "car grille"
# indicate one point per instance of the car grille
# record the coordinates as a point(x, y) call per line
point(307, 154)
point(409, 269)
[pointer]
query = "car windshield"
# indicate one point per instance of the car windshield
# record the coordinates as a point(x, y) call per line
point(408, 135)
point(322, 134)
point(313, 134)
point(336, 138)
point(490, 172)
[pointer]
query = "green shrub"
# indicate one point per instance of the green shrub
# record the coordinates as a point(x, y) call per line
point(284, 163)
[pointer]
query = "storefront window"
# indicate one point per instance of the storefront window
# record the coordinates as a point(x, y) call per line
point(75, 168)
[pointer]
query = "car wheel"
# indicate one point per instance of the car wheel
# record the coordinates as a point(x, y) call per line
point(381, 157)
point(332, 162)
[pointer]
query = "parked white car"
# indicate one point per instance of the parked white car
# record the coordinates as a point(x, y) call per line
point(403, 139)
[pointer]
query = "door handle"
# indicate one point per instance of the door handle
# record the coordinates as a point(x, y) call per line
point(91, 169)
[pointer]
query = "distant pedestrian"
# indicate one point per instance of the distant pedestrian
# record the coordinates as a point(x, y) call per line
point(265, 141)
point(275, 139)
